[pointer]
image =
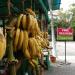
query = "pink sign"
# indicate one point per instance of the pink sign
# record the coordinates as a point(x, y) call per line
point(62, 31)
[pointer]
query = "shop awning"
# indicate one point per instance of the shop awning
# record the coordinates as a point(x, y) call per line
point(54, 4)
point(44, 9)
point(17, 7)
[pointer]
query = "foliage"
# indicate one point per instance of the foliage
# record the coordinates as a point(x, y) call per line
point(65, 19)
point(72, 9)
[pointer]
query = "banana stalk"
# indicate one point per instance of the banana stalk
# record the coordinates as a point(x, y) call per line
point(11, 58)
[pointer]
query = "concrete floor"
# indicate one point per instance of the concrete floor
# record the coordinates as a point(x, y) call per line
point(58, 69)
point(70, 48)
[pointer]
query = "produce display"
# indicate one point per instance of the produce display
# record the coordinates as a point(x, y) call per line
point(27, 36)
point(23, 42)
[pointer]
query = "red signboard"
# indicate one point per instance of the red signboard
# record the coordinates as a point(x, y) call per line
point(68, 31)
point(65, 34)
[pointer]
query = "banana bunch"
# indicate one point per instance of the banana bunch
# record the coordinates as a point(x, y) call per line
point(18, 34)
point(25, 29)
point(33, 63)
point(2, 45)
point(27, 36)
point(32, 48)
point(31, 12)
point(33, 27)
point(45, 35)
point(42, 39)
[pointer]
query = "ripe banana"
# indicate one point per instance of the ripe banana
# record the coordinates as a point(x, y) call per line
point(26, 53)
point(19, 20)
point(25, 40)
point(29, 21)
point(16, 39)
point(31, 63)
point(2, 46)
point(21, 38)
point(24, 22)
point(32, 48)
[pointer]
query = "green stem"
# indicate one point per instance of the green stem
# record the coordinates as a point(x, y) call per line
point(11, 58)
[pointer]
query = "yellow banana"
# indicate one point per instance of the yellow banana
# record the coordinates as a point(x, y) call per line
point(31, 63)
point(26, 53)
point(20, 41)
point(32, 48)
point(2, 46)
point(16, 38)
point(19, 20)
point(25, 40)
point(24, 22)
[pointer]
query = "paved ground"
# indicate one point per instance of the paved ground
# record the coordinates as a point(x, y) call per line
point(61, 70)
point(70, 51)
point(70, 48)
point(58, 69)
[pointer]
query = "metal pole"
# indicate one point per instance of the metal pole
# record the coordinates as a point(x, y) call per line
point(52, 30)
point(3, 20)
point(65, 51)
point(23, 6)
point(52, 33)
point(9, 13)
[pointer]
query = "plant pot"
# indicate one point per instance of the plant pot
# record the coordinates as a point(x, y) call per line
point(53, 59)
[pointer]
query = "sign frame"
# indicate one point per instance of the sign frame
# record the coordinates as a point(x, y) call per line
point(64, 34)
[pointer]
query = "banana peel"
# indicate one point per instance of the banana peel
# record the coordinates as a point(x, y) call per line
point(16, 39)
point(24, 22)
point(20, 41)
point(2, 46)
point(31, 63)
point(19, 20)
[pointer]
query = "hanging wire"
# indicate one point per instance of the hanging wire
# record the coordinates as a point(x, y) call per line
point(23, 5)
point(31, 4)
point(34, 5)
point(9, 7)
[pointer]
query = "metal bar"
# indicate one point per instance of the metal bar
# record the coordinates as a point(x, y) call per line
point(52, 30)
point(23, 5)
point(9, 7)
point(3, 20)
point(65, 51)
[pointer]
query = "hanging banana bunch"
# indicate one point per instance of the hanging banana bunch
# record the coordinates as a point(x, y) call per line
point(2, 45)
point(31, 12)
point(27, 35)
